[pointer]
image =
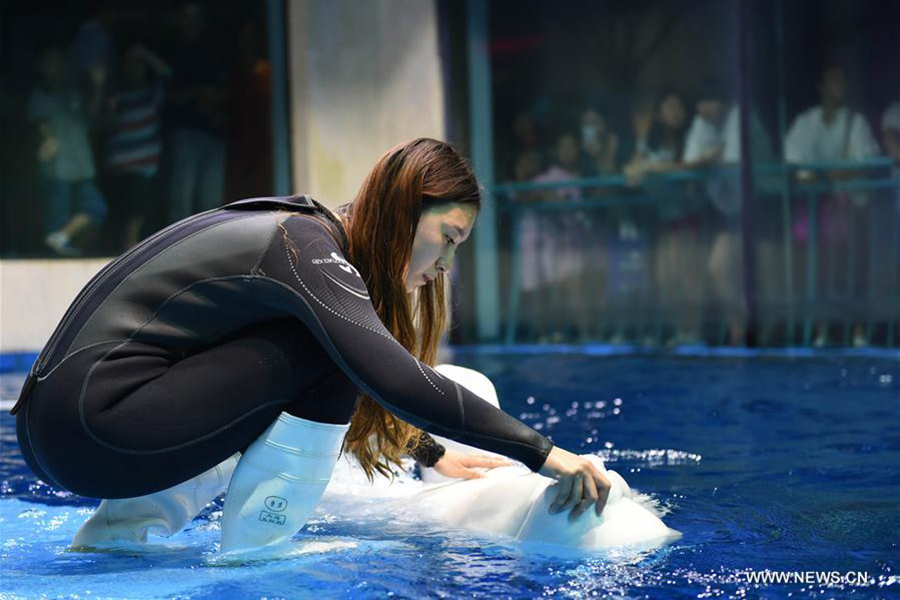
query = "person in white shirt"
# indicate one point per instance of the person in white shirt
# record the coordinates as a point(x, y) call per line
point(714, 139)
point(830, 131)
point(562, 237)
point(659, 134)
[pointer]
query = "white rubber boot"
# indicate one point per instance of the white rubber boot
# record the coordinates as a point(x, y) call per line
point(279, 482)
point(165, 512)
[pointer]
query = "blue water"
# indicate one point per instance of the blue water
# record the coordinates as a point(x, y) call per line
point(779, 464)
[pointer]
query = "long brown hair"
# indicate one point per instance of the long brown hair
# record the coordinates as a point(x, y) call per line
point(381, 226)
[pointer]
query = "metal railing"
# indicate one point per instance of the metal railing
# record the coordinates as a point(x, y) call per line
point(848, 283)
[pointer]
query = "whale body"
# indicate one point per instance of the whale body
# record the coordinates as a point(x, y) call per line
point(513, 501)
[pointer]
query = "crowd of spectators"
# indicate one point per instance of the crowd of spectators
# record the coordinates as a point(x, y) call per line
point(132, 132)
point(132, 135)
point(680, 255)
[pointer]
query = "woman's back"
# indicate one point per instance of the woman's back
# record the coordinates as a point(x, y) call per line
point(183, 288)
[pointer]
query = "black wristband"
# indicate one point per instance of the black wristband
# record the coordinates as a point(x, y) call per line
point(428, 452)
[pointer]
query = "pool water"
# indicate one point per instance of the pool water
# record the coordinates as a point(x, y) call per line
point(771, 464)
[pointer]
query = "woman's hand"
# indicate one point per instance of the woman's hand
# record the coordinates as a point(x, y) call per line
point(457, 465)
point(580, 485)
point(634, 172)
point(641, 122)
point(47, 149)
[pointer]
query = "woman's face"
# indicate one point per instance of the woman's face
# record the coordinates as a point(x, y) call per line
point(440, 231)
point(567, 151)
point(672, 112)
point(134, 68)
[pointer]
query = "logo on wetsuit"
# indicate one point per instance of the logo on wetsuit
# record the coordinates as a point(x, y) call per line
point(336, 260)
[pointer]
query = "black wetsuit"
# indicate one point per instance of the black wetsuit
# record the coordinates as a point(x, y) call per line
point(183, 350)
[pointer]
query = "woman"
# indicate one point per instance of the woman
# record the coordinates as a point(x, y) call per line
point(659, 149)
point(262, 328)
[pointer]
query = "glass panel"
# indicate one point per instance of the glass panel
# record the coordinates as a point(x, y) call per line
point(825, 77)
point(617, 145)
point(626, 136)
point(120, 118)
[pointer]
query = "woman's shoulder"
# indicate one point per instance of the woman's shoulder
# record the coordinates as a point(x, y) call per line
point(317, 226)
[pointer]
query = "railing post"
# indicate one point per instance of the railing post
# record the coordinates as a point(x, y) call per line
point(280, 125)
point(850, 323)
point(515, 285)
point(895, 272)
point(487, 301)
point(786, 216)
point(809, 316)
point(748, 238)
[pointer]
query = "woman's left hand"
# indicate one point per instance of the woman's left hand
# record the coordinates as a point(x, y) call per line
point(457, 465)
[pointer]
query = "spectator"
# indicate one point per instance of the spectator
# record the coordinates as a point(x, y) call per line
point(563, 168)
point(558, 237)
point(75, 207)
point(524, 131)
point(625, 273)
point(659, 148)
point(531, 238)
point(658, 138)
point(134, 143)
point(827, 132)
point(196, 118)
point(619, 280)
point(599, 145)
point(527, 168)
point(714, 139)
point(92, 54)
point(522, 137)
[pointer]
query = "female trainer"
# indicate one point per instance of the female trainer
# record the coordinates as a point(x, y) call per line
point(263, 338)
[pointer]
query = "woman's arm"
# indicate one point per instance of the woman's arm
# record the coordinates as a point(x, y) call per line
point(48, 144)
point(330, 297)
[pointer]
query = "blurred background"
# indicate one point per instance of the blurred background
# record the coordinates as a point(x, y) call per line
point(658, 173)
